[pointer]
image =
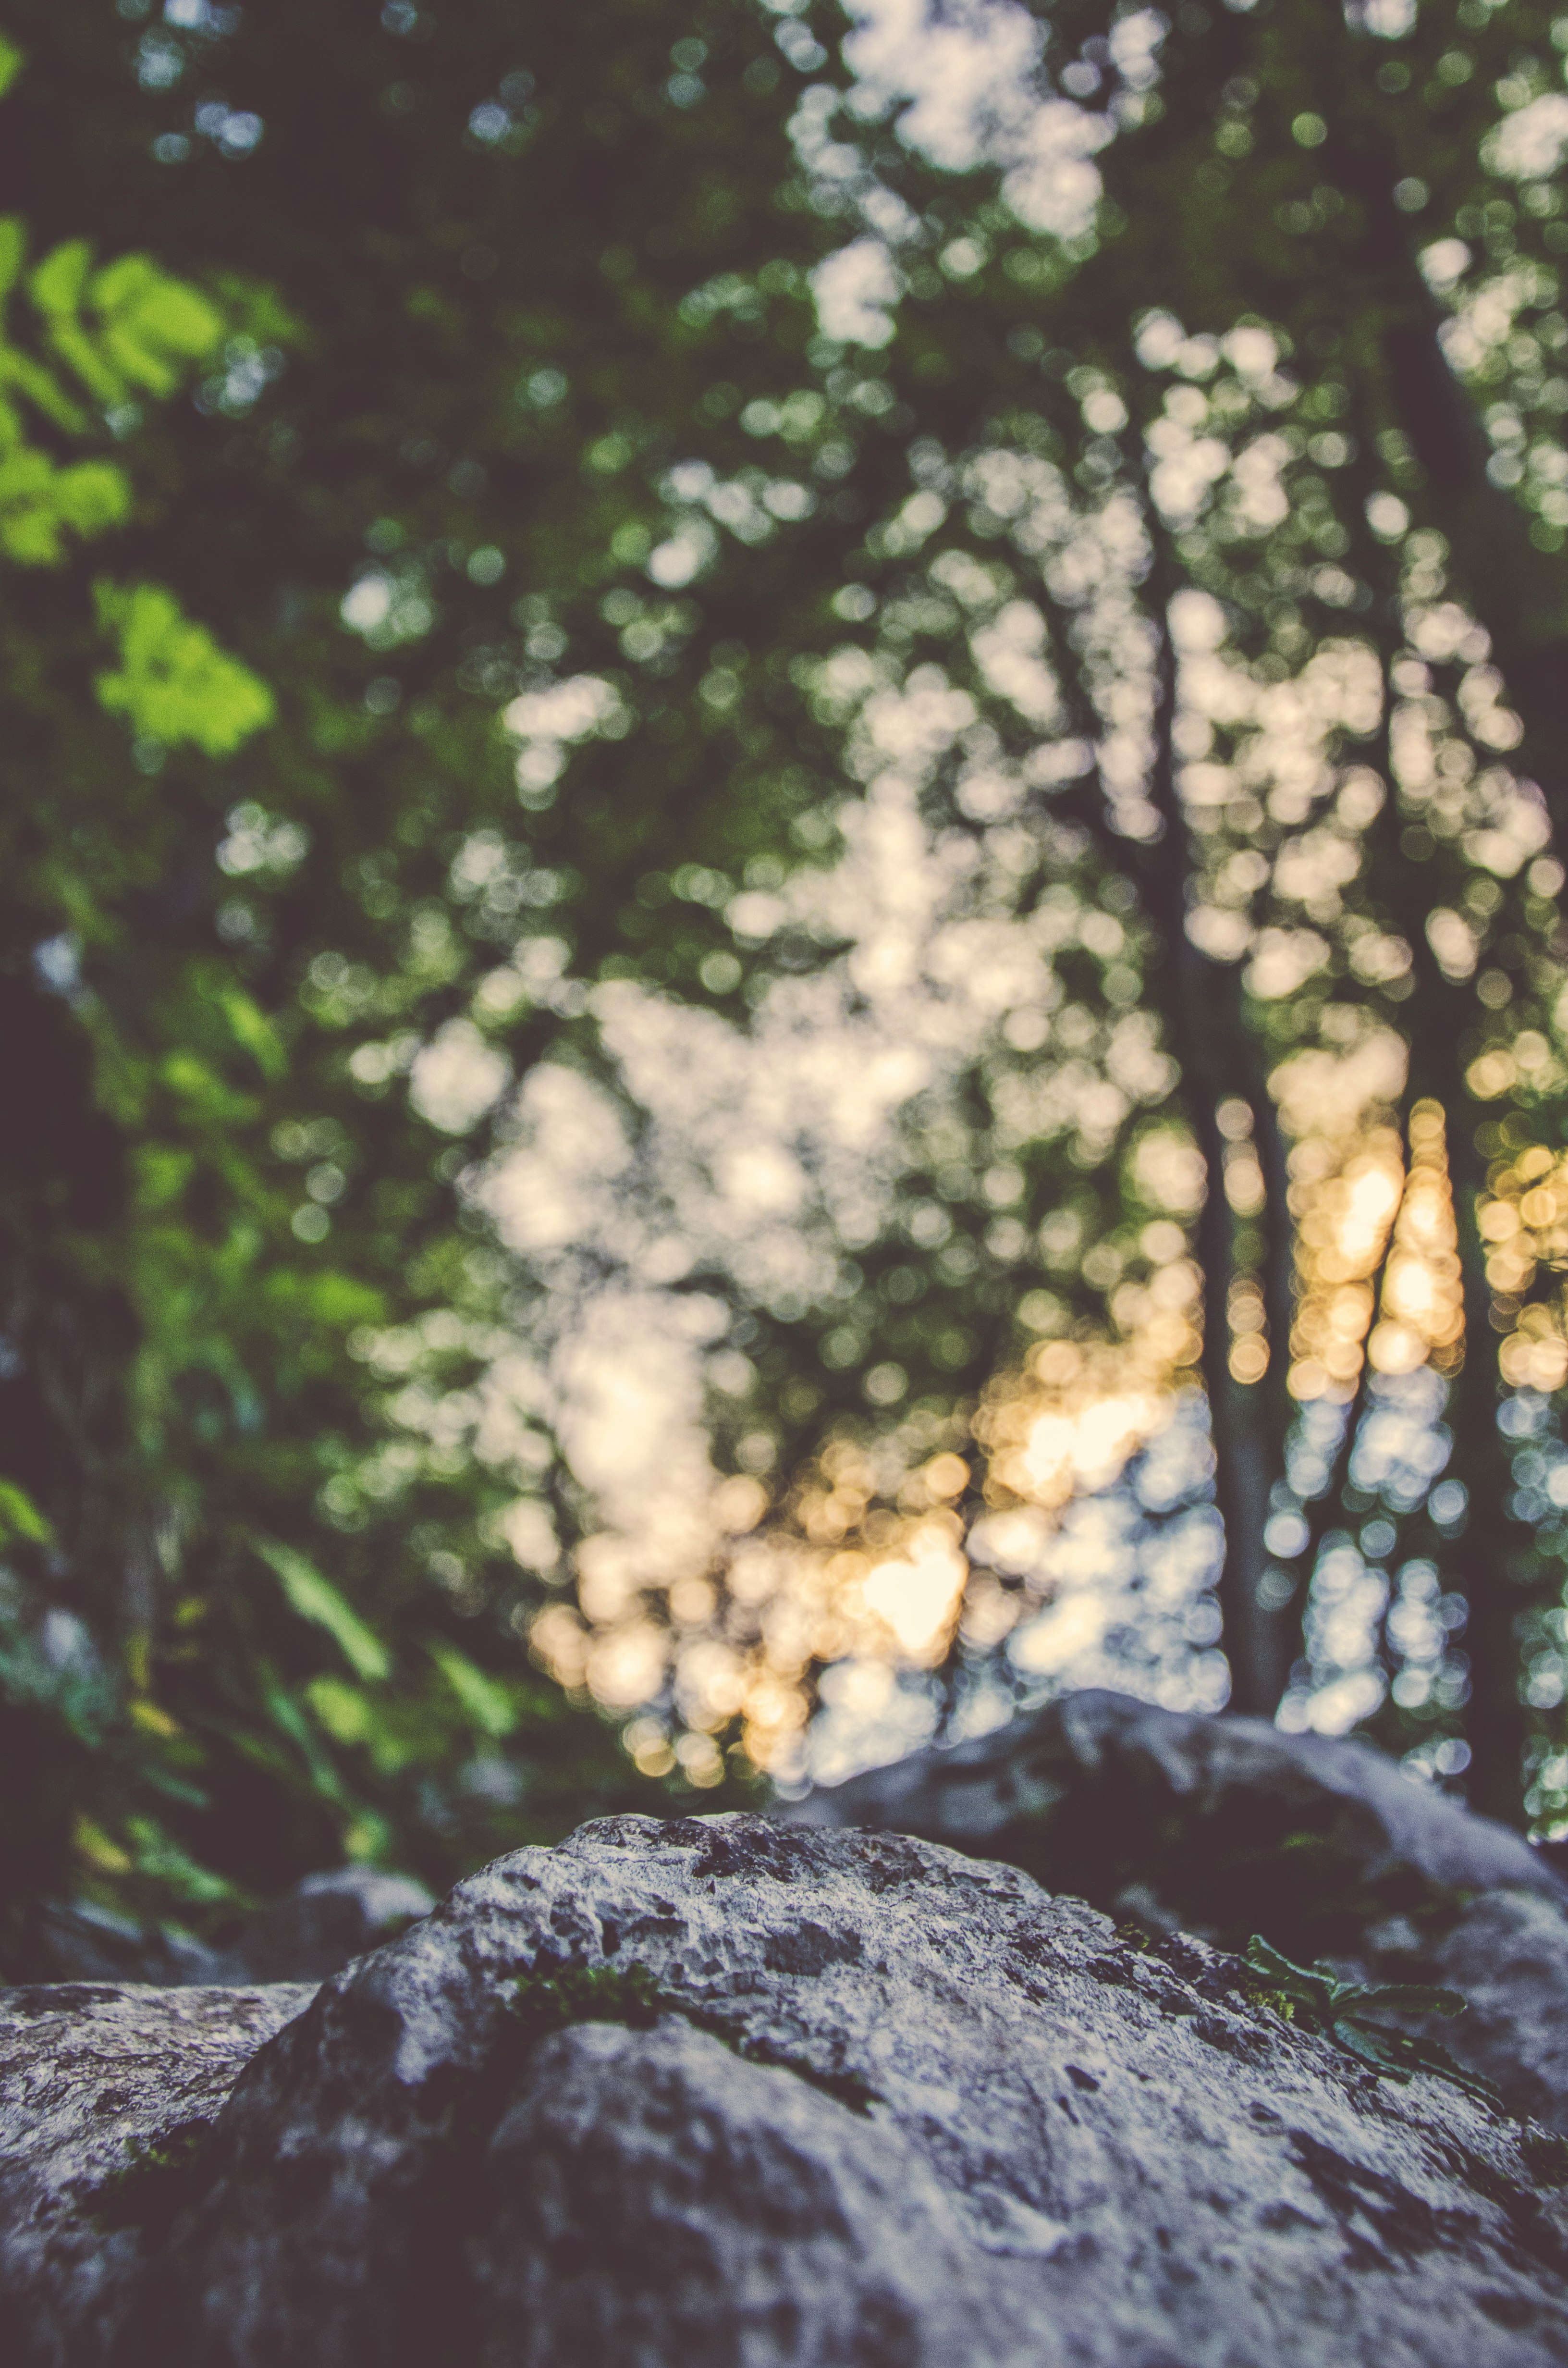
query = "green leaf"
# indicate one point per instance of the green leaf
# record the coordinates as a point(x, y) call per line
point(1342, 2009)
point(252, 1028)
point(347, 1714)
point(40, 503)
point(125, 326)
point(57, 286)
point(41, 390)
point(20, 1518)
point(175, 683)
point(255, 307)
point(93, 495)
point(1403, 1998)
point(13, 251)
point(160, 1857)
point(1372, 2046)
point(1402, 2052)
point(488, 1705)
point(1299, 1980)
point(154, 325)
point(58, 282)
point(315, 1598)
point(331, 1297)
point(12, 60)
point(367, 1721)
point(290, 1719)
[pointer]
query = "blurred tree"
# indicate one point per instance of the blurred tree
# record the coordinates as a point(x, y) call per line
point(1171, 438)
point(219, 968)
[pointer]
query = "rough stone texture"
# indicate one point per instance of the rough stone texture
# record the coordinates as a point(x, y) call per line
point(1225, 1826)
point(720, 2093)
point(93, 2079)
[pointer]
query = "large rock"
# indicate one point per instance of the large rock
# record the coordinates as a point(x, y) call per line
point(1225, 1826)
point(105, 2092)
point(321, 1924)
point(719, 2093)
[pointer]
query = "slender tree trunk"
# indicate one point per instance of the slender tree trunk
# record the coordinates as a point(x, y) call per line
point(1279, 1243)
point(1208, 1028)
point(1478, 1564)
point(1496, 1727)
point(1258, 1642)
point(1520, 595)
point(1519, 592)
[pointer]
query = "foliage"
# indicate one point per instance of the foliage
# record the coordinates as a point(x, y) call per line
point(174, 684)
point(127, 328)
point(1346, 2012)
point(180, 1377)
point(518, 636)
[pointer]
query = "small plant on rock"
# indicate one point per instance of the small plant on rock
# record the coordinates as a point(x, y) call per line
point(1345, 2013)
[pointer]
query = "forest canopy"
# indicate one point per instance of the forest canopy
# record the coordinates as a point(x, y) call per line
point(780, 944)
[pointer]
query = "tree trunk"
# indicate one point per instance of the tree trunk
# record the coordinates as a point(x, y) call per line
point(1208, 1033)
point(1519, 592)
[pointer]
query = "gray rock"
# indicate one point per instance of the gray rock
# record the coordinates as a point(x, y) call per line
point(1507, 1953)
point(657, 2198)
point(1194, 1815)
point(323, 1922)
point(103, 2092)
point(1225, 1826)
point(719, 2093)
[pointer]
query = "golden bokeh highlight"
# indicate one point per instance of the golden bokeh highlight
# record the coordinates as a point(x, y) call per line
point(1378, 1277)
point(1524, 1222)
point(863, 1556)
point(1070, 1420)
point(1422, 1317)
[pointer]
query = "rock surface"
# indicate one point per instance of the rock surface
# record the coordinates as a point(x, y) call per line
point(103, 2091)
point(720, 2093)
point(1225, 1826)
point(321, 1924)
